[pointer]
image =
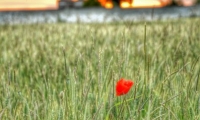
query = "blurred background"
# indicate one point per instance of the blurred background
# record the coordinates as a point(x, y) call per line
point(14, 5)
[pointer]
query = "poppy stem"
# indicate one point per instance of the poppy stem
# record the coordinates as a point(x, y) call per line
point(121, 107)
point(127, 107)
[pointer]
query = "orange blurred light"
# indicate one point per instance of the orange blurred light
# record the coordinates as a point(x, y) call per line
point(125, 5)
point(109, 5)
point(144, 3)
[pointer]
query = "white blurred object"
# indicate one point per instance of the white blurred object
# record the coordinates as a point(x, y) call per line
point(79, 3)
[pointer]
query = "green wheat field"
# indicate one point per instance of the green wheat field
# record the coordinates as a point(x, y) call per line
point(66, 71)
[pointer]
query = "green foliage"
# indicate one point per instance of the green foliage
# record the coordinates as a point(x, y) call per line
point(89, 3)
point(68, 71)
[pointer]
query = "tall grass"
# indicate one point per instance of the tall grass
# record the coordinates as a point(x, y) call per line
point(69, 71)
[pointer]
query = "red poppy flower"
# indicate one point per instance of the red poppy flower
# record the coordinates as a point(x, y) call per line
point(123, 86)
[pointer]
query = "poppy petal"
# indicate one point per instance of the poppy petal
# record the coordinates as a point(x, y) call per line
point(123, 86)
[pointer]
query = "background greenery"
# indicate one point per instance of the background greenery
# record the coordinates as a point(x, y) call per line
point(69, 71)
point(89, 3)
